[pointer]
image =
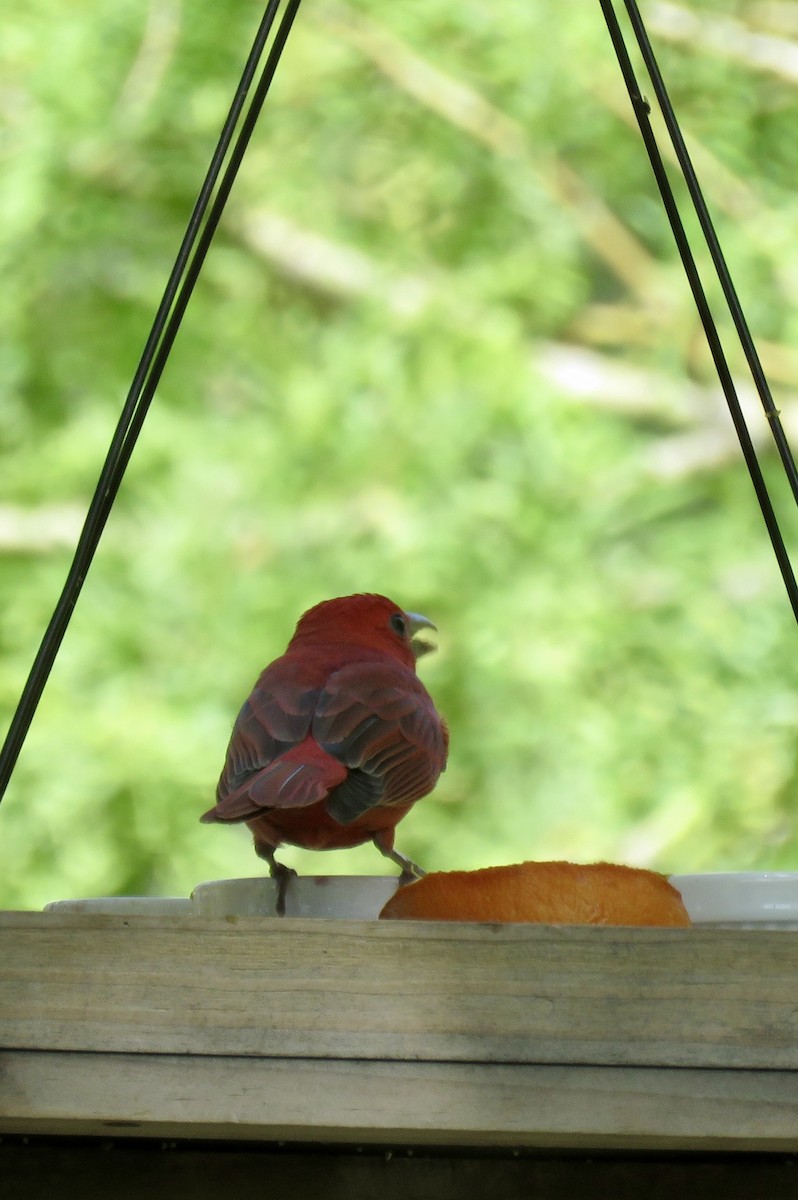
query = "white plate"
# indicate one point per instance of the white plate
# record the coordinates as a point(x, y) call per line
point(358, 897)
point(737, 898)
point(740, 897)
point(126, 906)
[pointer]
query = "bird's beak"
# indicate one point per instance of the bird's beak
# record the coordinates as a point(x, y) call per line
point(415, 622)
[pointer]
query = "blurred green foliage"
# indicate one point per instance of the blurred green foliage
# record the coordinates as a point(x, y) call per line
point(442, 349)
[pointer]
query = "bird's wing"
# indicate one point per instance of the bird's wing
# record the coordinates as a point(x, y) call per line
point(274, 720)
point(379, 721)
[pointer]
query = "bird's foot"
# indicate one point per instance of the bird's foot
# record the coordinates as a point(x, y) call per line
point(410, 870)
point(280, 873)
point(283, 876)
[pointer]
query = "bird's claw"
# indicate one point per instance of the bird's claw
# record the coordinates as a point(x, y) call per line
point(410, 870)
point(280, 873)
point(283, 876)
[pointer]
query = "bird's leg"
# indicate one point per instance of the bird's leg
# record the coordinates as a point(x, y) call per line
point(278, 871)
point(410, 870)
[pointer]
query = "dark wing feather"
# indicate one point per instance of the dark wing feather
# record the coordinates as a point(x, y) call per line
point(275, 718)
point(378, 720)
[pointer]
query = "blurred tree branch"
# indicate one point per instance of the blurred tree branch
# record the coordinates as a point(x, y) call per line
point(159, 41)
point(583, 375)
point(726, 37)
point(463, 106)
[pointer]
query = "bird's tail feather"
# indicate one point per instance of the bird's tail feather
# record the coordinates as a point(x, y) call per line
point(302, 776)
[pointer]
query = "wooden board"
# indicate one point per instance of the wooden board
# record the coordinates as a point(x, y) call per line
point(389, 1103)
point(444, 992)
point(436, 1034)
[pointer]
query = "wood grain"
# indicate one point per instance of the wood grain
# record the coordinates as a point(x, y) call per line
point(459, 1104)
point(435, 992)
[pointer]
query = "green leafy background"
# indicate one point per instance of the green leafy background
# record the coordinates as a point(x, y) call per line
point(441, 348)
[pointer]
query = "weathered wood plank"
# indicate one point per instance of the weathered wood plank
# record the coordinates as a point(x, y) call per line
point(456, 1104)
point(403, 991)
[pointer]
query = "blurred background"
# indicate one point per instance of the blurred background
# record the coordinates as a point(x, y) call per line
point(442, 348)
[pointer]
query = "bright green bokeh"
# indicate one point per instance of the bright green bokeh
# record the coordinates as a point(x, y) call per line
point(362, 398)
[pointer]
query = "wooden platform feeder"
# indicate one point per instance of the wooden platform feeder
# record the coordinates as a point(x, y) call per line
point(355, 1034)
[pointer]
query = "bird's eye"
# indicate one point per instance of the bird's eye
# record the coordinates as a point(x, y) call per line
point(398, 624)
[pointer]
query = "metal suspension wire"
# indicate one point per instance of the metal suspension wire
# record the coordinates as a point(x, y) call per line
point(203, 222)
point(641, 111)
point(711, 237)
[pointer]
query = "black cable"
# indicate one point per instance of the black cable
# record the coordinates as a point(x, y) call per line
point(641, 110)
point(191, 255)
point(708, 229)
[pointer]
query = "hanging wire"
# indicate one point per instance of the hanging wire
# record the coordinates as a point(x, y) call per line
point(191, 255)
point(641, 109)
point(708, 229)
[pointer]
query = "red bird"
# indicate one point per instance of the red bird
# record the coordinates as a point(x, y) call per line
point(339, 737)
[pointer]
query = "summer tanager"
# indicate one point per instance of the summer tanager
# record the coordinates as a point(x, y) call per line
point(339, 737)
